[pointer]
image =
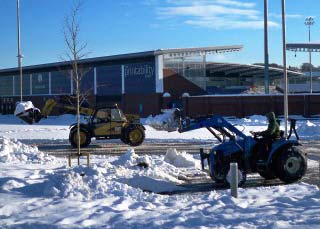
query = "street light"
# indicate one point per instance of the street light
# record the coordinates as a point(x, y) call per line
point(285, 76)
point(309, 21)
point(19, 49)
point(266, 49)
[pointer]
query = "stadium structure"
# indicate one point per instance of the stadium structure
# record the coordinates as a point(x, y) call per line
point(143, 82)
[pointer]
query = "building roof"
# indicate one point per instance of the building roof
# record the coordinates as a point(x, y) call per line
point(179, 52)
point(304, 47)
point(188, 52)
point(246, 69)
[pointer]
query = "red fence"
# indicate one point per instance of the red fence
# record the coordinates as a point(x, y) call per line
point(241, 106)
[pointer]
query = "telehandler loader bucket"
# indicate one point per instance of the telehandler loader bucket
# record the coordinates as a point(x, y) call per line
point(27, 112)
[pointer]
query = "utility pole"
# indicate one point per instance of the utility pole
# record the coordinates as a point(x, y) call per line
point(19, 49)
point(309, 22)
point(266, 49)
point(285, 68)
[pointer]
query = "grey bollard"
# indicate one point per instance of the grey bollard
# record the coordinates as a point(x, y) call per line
point(234, 179)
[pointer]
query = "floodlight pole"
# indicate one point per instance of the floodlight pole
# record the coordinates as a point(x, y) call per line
point(266, 49)
point(19, 49)
point(285, 69)
point(309, 22)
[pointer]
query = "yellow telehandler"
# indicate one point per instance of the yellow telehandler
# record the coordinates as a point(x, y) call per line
point(103, 123)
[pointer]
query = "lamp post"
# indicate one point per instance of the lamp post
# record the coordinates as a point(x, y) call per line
point(266, 49)
point(309, 21)
point(19, 49)
point(285, 68)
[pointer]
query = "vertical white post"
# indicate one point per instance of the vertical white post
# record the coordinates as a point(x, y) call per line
point(49, 83)
point(13, 84)
point(30, 84)
point(123, 79)
point(71, 82)
point(234, 179)
point(19, 48)
point(284, 44)
point(95, 81)
point(159, 73)
point(266, 49)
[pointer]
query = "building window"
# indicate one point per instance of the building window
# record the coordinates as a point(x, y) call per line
point(40, 83)
point(109, 81)
point(25, 85)
point(60, 82)
point(87, 82)
point(6, 85)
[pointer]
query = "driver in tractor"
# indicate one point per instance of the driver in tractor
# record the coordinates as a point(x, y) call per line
point(269, 135)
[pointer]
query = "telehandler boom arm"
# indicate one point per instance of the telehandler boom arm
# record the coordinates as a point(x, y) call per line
point(51, 103)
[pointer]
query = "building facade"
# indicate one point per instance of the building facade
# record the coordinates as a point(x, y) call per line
point(141, 83)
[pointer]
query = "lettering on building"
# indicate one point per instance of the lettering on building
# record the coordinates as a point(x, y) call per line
point(139, 70)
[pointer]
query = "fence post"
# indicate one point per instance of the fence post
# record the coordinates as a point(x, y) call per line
point(234, 179)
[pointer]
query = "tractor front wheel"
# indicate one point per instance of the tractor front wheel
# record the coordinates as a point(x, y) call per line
point(291, 165)
point(85, 138)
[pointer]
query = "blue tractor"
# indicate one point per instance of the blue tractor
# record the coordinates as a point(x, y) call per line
point(285, 160)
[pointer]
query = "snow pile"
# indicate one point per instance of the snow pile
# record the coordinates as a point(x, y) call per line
point(13, 150)
point(180, 159)
point(148, 173)
point(84, 183)
point(22, 107)
point(130, 158)
point(309, 129)
point(107, 179)
point(166, 121)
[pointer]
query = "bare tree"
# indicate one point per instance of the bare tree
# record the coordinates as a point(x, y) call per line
point(76, 51)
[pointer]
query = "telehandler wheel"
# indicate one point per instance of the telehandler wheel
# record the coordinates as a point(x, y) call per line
point(85, 138)
point(135, 135)
point(291, 165)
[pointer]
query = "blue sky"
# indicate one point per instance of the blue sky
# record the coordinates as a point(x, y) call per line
point(123, 26)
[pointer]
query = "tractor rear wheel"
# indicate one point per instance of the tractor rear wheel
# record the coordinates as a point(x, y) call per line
point(291, 165)
point(85, 138)
point(135, 135)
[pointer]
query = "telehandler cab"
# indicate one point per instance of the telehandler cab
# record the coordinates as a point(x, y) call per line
point(103, 123)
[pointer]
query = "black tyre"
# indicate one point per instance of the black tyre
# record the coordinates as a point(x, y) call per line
point(85, 138)
point(135, 135)
point(291, 165)
point(268, 175)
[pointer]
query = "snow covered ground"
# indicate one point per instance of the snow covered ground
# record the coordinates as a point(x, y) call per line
point(57, 129)
point(39, 191)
